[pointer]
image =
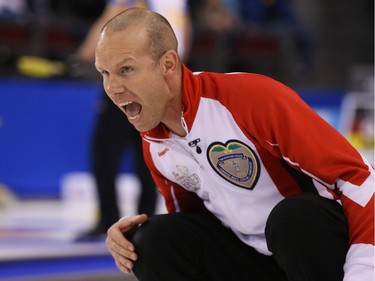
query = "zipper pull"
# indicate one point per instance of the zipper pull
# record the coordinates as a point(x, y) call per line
point(194, 143)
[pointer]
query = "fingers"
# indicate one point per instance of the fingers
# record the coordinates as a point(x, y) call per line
point(125, 250)
point(125, 261)
point(116, 239)
point(126, 223)
point(121, 249)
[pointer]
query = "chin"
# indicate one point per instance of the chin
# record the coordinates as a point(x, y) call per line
point(139, 129)
point(143, 129)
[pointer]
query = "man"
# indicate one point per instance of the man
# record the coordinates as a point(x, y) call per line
point(113, 134)
point(257, 185)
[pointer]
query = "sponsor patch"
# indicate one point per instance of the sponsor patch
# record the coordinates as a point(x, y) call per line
point(235, 162)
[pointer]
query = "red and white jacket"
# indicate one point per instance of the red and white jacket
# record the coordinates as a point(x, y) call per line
point(250, 142)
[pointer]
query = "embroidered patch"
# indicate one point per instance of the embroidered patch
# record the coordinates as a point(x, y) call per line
point(185, 179)
point(235, 162)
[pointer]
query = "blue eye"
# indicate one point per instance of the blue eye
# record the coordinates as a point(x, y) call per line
point(126, 69)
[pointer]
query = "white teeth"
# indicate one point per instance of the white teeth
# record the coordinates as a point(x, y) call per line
point(133, 118)
point(125, 103)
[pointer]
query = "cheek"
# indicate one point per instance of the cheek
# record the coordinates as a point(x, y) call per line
point(158, 101)
point(105, 86)
point(153, 93)
point(153, 103)
point(153, 88)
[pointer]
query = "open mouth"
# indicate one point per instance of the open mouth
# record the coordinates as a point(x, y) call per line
point(132, 109)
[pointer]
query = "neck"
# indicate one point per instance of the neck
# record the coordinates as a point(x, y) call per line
point(178, 131)
point(175, 112)
point(175, 125)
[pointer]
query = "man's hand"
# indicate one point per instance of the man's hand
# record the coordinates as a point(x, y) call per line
point(120, 248)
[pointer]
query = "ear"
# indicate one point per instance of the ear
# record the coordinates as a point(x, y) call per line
point(170, 61)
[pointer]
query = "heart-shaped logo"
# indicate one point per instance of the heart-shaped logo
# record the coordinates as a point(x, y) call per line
point(235, 162)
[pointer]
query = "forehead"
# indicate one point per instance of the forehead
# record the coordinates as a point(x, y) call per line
point(128, 41)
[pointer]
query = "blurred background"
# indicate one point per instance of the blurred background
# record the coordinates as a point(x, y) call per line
point(322, 49)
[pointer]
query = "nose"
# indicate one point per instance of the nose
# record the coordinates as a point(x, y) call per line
point(113, 86)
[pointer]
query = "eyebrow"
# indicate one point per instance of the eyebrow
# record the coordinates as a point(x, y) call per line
point(120, 63)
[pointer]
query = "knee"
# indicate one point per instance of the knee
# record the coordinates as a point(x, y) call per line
point(308, 223)
point(160, 242)
point(303, 216)
point(153, 234)
point(161, 237)
point(291, 210)
point(303, 211)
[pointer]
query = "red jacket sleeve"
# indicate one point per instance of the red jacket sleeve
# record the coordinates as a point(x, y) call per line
point(277, 119)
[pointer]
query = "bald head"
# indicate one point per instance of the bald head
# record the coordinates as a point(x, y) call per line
point(159, 32)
